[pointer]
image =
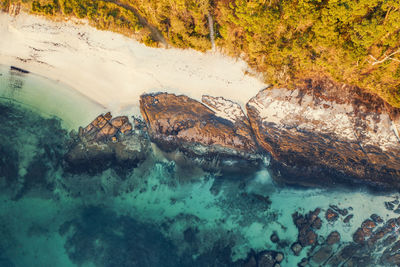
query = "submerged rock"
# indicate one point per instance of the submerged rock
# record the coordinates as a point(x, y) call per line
point(376, 218)
point(306, 225)
point(348, 218)
point(218, 137)
point(324, 134)
point(296, 248)
point(274, 237)
point(331, 215)
point(322, 255)
point(107, 142)
point(333, 238)
point(269, 258)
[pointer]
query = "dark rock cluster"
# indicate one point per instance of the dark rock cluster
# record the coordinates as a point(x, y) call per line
point(375, 243)
point(266, 258)
point(107, 142)
point(306, 224)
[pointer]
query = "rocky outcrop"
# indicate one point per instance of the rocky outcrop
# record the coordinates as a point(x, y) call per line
point(216, 137)
point(306, 224)
point(372, 245)
point(325, 134)
point(266, 258)
point(107, 142)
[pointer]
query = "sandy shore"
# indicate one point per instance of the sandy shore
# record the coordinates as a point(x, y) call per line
point(114, 70)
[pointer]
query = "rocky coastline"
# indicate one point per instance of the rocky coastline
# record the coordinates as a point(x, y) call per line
point(319, 135)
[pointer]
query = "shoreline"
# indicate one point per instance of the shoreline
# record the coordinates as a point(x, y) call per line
point(114, 70)
point(302, 129)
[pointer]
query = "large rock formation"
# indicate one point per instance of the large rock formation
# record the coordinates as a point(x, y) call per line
point(324, 134)
point(107, 142)
point(217, 137)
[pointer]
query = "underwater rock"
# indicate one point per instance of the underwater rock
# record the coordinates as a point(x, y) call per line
point(369, 224)
point(348, 218)
point(342, 212)
point(333, 238)
point(296, 248)
point(107, 142)
point(274, 238)
point(324, 134)
point(389, 205)
point(306, 225)
point(31, 150)
point(359, 236)
point(376, 218)
point(303, 262)
point(322, 255)
point(218, 138)
point(371, 246)
point(392, 225)
point(331, 215)
point(269, 258)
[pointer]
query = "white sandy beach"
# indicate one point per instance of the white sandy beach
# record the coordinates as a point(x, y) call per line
point(114, 70)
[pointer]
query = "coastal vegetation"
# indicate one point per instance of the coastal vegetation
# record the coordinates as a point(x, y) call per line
point(354, 42)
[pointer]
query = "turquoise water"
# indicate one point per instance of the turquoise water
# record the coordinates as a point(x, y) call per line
point(154, 215)
point(48, 98)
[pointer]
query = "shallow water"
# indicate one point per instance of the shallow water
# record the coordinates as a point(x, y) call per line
point(154, 215)
point(48, 98)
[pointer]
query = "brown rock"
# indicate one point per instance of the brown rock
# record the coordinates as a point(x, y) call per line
point(359, 236)
point(390, 226)
point(376, 218)
point(316, 146)
point(101, 120)
point(342, 212)
point(126, 128)
point(333, 238)
point(104, 127)
point(348, 218)
point(317, 223)
point(107, 131)
point(305, 225)
point(100, 146)
point(368, 224)
point(119, 121)
point(322, 255)
point(331, 215)
point(179, 122)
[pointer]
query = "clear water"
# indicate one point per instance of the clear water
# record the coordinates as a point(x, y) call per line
point(154, 215)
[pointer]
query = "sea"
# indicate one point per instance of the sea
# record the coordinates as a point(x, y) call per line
point(153, 215)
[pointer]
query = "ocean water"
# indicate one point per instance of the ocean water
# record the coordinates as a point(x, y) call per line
point(154, 215)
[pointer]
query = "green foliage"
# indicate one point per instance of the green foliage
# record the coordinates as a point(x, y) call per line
point(102, 14)
point(4, 5)
point(182, 22)
point(287, 40)
point(291, 40)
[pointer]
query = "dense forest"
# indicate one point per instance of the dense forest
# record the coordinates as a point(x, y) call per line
point(290, 41)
